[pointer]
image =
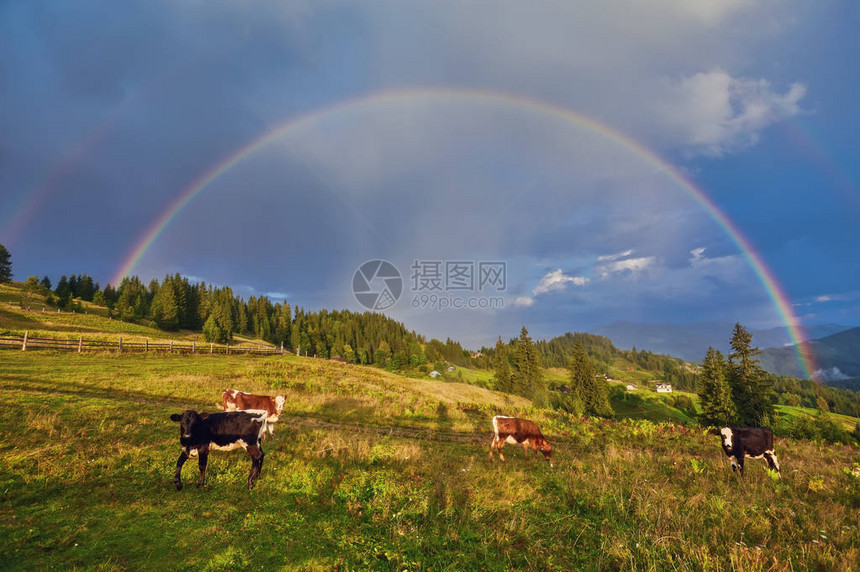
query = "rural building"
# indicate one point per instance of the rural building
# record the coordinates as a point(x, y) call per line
point(450, 368)
point(631, 387)
point(664, 388)
point(435, 373)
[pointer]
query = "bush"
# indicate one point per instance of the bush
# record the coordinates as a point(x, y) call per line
point(818, 428)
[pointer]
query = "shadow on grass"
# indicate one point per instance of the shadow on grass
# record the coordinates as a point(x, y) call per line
point(85, 391)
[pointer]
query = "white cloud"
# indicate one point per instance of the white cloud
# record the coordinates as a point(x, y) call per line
point(713, 113)
point(523, 301)
point(630, 266)
point(823, 298)
point(616, 256)
point(697, 253)
point(829, 375)
point(557, 281)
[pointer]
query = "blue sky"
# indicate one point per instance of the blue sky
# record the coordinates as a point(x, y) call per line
point(111, 109)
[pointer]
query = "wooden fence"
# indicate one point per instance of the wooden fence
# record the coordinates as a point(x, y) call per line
point(28, 342)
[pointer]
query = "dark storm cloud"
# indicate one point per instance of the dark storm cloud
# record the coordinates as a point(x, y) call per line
point(136, 100)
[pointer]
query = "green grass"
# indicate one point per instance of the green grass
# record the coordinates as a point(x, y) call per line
point(378, 472)
point(789, 411)
point(93, 323)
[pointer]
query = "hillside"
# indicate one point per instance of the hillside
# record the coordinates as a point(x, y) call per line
point(690, 342)
point(838, 356)
point(369, 470)
point(643, 369)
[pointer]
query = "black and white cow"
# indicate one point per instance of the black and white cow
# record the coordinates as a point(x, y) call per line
point(201, 432)
point(752, 442)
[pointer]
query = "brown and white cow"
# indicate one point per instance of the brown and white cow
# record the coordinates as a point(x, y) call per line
point(513, 430)
point(753, 442)
point(273, 406)
point(201, 432)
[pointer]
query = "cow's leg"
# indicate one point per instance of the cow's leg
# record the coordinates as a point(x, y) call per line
point(734, 462)
point(500, 446)
point(257, 455)
point(526, 448)
point(770, 457)
point(202, 460)
point(493, 445)
point(177, 478)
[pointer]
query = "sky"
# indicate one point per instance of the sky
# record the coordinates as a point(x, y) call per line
point(591, 147)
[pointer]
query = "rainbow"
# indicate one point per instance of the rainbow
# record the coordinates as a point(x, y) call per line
point(34, 199)
point(765, 276)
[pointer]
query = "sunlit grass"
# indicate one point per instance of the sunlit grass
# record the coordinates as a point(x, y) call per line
point(373, 471)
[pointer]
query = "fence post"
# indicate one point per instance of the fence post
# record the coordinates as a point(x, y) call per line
point(282, 348)
point(146, 345)
point(193, 346)
point(210, 347)
point(80, 343)
point(120, 344)
point(228, 348)
point(171, 346)
point(24, 345)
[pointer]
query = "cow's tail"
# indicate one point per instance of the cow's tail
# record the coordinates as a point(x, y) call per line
point(263, 418)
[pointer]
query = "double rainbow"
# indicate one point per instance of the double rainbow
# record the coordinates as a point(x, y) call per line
point(765, 276)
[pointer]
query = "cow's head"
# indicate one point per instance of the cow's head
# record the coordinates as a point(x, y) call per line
point(725, 435)
point(187, 422)
point(279, 403)
point(544, 447)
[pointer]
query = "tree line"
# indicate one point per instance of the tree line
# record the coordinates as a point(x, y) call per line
point(176, 303)
point(518, 369)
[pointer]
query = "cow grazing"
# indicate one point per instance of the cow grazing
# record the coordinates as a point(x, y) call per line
point(201, 432)
point(512, 430)
point(234, 400)
point(752, 442)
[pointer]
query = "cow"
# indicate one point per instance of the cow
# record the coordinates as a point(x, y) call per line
point(752, 442)
point(513, 430)
point(201, 432)
point(234, 400)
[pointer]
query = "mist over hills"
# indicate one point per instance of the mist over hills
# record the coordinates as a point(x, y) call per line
point(690, 342)
point(837, 357)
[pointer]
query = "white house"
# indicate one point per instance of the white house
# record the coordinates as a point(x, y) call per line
point(631, 387)
point(435, 373)
point(450, 368)
point(664, 388)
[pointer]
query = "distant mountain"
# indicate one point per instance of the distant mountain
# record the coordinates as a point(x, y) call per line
point(837, 356)
point(690, 342)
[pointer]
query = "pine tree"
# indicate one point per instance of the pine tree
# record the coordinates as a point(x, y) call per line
point(382, 355)
point(588, 389)
point(502, 367)
point(5, 265)
point(715, 394)
point(63, 290)
point(31, 290)
point(46, 283)
point(527, 376)
point(164, 309)
point(751, 386)
point(212, 332)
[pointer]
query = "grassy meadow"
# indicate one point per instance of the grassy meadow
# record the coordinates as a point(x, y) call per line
point(375, 471)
